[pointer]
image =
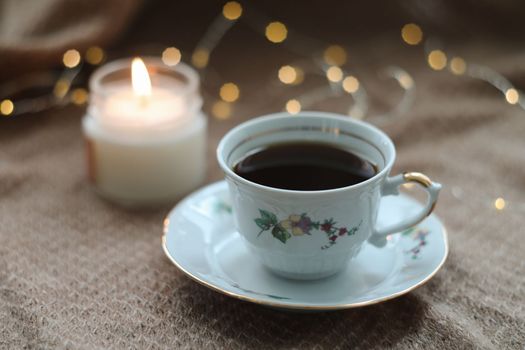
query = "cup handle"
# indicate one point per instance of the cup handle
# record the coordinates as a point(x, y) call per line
point(390, 187)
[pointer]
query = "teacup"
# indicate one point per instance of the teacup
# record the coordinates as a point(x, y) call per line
point(313, 234)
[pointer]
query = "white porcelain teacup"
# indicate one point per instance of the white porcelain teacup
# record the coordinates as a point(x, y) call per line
point(313, 234)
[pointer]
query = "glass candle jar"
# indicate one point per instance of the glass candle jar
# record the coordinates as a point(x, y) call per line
point(145, 132)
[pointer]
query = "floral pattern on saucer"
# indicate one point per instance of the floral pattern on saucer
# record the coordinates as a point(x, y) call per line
point(420, 236)
point(299, 225)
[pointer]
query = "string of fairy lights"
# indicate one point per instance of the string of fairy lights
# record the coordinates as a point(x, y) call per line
point(329, 61)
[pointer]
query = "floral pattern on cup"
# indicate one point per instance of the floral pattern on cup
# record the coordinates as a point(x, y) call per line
point(298, 225)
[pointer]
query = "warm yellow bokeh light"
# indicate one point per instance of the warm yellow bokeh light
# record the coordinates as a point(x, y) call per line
point(437, 59)
point(71, 58)
point(232, 10)
point(335, 55)
point(411, 34)
point(171, 56)
point(288, 74)
point(291, 75)
point(200, 58)
point(512, 96)
point(221, 110)
point(229, 92)
point(79, 96)
point(293, 106)
point(94, 55)
point(7, 107)
point(405, 81)
point(350, 84)
point(499, 203)
point(458, 65)
point(61, 88)
point(334, 74)
point(276, 32)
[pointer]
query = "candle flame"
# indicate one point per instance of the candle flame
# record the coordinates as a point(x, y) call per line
point(140, 78)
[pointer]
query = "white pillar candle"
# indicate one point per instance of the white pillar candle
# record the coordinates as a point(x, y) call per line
point(145, 132)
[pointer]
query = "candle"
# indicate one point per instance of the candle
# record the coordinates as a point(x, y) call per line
point(145, 132)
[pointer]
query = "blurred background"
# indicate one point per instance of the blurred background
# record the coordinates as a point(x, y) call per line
point(230, 44)
point(428, 72)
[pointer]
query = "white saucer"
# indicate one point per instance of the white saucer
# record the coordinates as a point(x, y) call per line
point(200, 239)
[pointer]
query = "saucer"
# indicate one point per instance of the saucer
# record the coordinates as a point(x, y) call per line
point(201, 240)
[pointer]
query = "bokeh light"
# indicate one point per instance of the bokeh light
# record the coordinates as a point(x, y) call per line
point(350, 84)
point(171, 56)
point(229, 92)
point(276, 32)
point(334, 74)
point(79, 96)
point(232, 10)
point(221, 110)
point(94, 55)
point(458, 65)
point(71, 58)
point(437, 59)
point(7, 107)
point(290, 75)
point(293, 106)
point(512, 96)
point(411, 34)
point(335, 55)
point(499, 203)
point(200, 58)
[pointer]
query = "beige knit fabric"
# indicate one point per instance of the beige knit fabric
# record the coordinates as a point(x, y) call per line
point(78, 272)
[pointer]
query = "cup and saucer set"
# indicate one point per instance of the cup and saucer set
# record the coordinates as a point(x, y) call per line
point(311, 250)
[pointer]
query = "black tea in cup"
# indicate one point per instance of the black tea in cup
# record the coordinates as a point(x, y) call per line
point(304, 166)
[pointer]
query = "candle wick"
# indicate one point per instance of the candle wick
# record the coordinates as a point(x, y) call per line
point(143, 101)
